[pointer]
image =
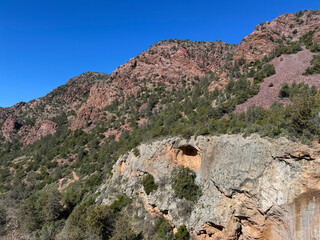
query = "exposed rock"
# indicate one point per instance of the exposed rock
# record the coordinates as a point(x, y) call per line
point(102, 94)
point(63, 99)
point(267, 36)
point(173, 60)
point(10, 127)
point(253, 188)
point(85, 117)
point(35, 133)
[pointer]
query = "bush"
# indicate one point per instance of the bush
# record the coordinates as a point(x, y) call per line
point(182, 233)
point(72, 195)
point(291, 48)
point(100, 220)
point(120, 203)
point(267, 71)
point(3, 219)
point(301, 113)
point(307, 40)
point(124, 231)
point(284, 91)
point(296, 90)
point(315, 68)
point(183, 184)
point(148, 184)
point(52, 207)
point(164, 229)
point(136, 152)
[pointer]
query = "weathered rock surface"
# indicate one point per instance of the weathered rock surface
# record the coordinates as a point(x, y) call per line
point(173, 60)
point(269, 35)
point(28, 121)
point(253, 188)
point(35, 133)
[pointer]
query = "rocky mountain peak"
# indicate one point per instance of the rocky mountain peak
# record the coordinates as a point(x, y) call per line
point(173, 60)
point(267, 36)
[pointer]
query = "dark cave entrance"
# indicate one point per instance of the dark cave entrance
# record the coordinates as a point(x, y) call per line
point(189, 150)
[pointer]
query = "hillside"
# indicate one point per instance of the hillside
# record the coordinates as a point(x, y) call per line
point(183, 139)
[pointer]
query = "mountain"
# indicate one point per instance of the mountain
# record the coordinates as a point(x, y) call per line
point(201, 139)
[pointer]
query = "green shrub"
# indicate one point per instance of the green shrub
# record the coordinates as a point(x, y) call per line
point(72, 195)
point(296, 90)
point(3, 219)
point(163, 229)
point(120, 203)
point(52, 207)
point(182, 233)
point(136, 152)
point(183, 184)
point(50, 230)
point(124, 231)
point(148, 184)
point(267, 71)
point(307, 40)
point(315, 68)
point(301, 113)
point(291, 48)
point(284, 91)
point(100, 220)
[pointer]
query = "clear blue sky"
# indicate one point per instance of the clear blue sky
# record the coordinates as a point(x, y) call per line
point(43, 43)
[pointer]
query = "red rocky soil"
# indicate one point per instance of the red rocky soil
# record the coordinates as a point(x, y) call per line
point(288, 70)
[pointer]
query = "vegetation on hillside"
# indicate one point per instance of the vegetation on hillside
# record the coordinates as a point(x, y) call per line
point(315, 68)
point(30, 176)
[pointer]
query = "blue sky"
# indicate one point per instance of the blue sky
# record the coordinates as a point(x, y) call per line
point(43, 43)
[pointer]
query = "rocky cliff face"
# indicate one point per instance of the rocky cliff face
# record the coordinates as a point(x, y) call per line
point(269, 35)
point(253, 188)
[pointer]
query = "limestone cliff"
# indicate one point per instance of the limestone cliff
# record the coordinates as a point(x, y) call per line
point(252, 188)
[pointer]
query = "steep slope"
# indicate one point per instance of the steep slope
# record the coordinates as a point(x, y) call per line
point(171, 62)
point(253, 188)
point(74, 164)
point(37, 118)
point(269, 35)
point(174, 60)
point(289, 69)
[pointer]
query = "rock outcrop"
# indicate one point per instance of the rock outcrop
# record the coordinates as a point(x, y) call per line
point(35, 133)
point(29, 121)
point(269, 35)
point(252, 188)
point(173, 60)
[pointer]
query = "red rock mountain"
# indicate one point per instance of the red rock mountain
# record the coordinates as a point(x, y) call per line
point(267, 36)
point(82, 98)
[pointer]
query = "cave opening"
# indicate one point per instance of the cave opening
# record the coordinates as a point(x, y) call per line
point(189, 150)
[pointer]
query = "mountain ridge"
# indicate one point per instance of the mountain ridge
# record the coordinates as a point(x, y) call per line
point(174, 61)
point(201, 140)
